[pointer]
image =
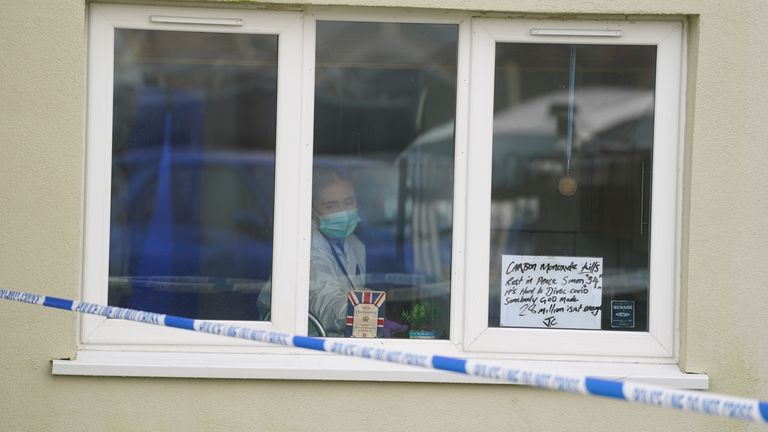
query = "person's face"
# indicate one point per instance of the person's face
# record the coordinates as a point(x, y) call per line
point(336, 197)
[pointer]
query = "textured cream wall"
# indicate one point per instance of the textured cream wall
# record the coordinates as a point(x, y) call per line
point(42, 100)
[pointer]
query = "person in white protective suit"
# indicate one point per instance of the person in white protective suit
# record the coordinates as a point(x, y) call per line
point(337, 256)
point(337, 262)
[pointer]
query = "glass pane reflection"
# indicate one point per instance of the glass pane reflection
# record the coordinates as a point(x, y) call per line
point(381, 90)
point(192, 172)
point(572, 164)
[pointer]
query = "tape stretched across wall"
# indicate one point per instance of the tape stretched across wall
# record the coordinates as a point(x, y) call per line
point(731, 407)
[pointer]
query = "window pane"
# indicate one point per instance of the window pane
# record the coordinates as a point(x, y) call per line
point(571, 177)
point(383, 156)
point(192, 172)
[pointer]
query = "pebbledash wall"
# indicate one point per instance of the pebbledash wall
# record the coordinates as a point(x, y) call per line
point(724, 249)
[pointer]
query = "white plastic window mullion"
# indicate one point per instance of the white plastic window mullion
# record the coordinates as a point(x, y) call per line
point(478, 205)
point(460, 183)
point(288, 213)
point(303, 166)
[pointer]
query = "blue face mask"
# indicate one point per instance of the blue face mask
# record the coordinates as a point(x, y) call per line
point(339, 225)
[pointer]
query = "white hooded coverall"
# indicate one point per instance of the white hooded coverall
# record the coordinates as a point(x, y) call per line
point(328, 284)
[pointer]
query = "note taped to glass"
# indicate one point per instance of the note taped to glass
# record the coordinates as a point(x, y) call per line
point(551, 292)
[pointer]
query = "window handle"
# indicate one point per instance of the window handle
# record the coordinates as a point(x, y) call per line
point(195, 20)
point(643, 222)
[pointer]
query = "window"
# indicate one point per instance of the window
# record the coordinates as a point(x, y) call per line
point(574, 130)
point(256, 166)
point(193, 116)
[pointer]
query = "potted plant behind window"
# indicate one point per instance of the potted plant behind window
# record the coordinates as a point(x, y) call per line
point(420, 319)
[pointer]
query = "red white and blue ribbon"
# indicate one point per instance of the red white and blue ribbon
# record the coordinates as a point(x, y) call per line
point(732, 407)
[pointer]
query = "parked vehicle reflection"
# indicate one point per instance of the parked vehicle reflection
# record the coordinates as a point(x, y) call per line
point(611, 160)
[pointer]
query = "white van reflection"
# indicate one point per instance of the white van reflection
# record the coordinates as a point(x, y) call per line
point(610, 155)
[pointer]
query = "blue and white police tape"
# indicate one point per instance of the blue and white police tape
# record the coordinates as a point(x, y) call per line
point(697, 402)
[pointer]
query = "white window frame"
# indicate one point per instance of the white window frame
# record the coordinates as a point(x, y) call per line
point(293, 183)
point(659, 342)
point(100, 333)
point(113, 347)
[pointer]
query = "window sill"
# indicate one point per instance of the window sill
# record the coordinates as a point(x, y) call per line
point(327, 367)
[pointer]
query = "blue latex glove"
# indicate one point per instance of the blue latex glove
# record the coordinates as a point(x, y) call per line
point(391, 327)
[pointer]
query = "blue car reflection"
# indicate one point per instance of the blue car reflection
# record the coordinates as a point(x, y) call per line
point(191, 231)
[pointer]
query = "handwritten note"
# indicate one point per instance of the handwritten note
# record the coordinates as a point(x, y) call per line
point(551, 292)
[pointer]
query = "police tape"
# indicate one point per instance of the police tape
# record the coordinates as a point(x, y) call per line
point(753, 410)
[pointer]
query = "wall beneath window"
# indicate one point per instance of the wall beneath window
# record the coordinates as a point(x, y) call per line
point(725, 248)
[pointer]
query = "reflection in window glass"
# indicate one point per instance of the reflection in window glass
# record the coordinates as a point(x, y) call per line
point(571, 177)
point(192, 172)
point(382, 188)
